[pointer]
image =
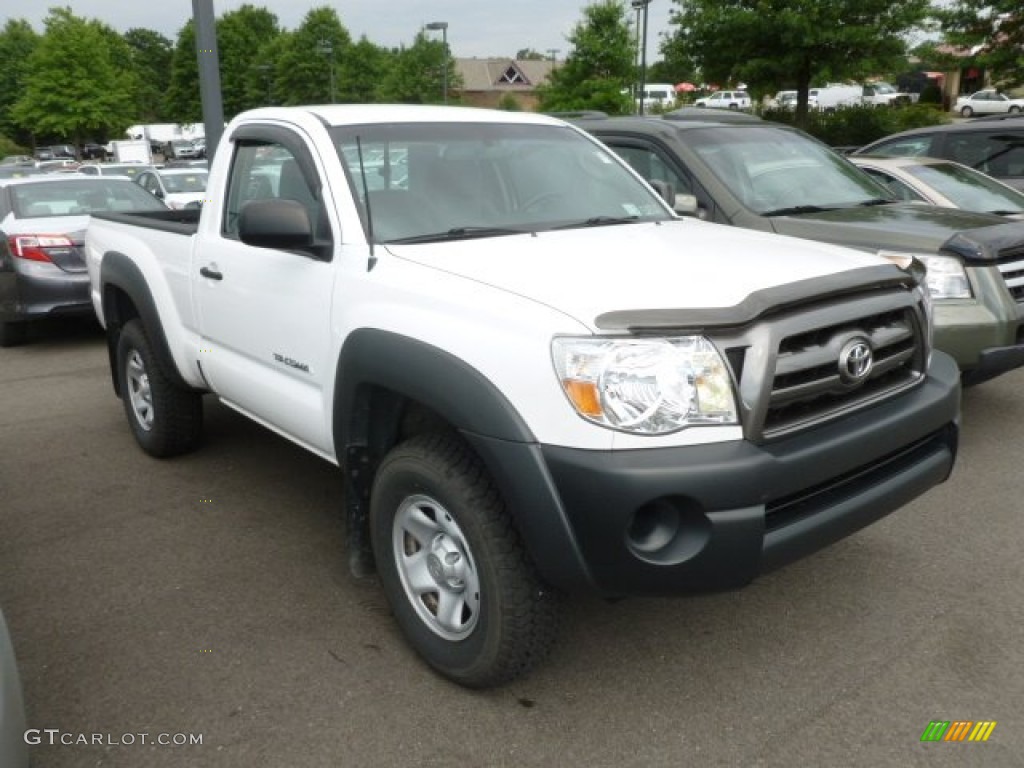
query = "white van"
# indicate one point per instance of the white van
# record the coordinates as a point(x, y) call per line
point(833, 96)
point(660, 95)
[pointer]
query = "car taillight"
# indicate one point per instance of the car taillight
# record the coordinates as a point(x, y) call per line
point(35, 247)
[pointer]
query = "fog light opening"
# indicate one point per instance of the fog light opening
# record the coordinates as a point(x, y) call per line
point(654, 526)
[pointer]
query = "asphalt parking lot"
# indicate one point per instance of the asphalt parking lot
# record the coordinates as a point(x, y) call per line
point(209, 596)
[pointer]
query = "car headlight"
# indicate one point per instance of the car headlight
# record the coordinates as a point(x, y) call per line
point(946, 277)
point(646, 386)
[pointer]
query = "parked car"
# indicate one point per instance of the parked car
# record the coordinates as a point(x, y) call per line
point(42, 224)
point(57, 165)
point(18, 171)
point(180, 149)
point(20, 160)
point(882, 94)
point(130, 170)
point(13, 750)
point(783, 100)
point(200, 147)
point(829, 98)
point(945, 183)
point(771, 177)
point(177, 187)
point(43, 153)
point(987, 102)
point(991, 145)
point(67, 151)
point(725, 100)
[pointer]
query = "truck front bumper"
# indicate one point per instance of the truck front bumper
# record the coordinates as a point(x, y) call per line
point(713, 517)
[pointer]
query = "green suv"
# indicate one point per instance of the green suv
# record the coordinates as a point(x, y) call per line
point(771, 177)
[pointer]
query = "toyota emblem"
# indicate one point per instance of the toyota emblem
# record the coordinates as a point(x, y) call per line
point(855, 361)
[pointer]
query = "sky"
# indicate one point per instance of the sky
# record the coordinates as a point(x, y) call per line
point(476, 28)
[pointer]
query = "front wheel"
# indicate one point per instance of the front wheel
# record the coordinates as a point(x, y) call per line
point(165, 418)
point(966, 112)
point(453, 567)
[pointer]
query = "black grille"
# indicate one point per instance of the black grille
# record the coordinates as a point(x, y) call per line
point(808, 385)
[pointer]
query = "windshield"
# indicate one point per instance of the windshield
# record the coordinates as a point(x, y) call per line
point(184, 182)
point(969, 189)
point(486, 179)
point(775, 171)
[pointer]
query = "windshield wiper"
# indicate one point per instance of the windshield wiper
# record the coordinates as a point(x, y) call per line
point(599, 221)
point(875, 201)
point(795, 209)
point(459, 233)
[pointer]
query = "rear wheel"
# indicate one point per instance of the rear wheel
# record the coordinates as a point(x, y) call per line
point(1014, 109)
point(453, 567)
point(165, 418)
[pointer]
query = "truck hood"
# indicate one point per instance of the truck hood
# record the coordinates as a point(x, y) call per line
point(907, 227)
point(675, 264)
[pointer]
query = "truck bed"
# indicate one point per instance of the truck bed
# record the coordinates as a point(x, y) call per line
point(185, 222)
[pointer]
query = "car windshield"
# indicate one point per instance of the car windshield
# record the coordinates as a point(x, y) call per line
point(184, 182)
point(775, 171)
point(967, 189)
point(79, 197)
point(441, 180)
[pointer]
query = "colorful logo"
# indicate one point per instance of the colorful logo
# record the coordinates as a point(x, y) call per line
point(958, 730)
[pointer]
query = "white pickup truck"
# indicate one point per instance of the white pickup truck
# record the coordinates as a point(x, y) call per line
point(537, 379)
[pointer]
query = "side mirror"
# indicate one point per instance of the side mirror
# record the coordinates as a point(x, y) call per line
point(277, 223)
point(685, 205)
point(664, 189)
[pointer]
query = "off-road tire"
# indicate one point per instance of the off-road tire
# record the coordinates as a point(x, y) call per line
point(166, 418)
point(512, 626)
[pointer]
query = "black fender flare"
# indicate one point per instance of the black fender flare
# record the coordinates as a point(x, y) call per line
point(118, 271)
point(374, 359)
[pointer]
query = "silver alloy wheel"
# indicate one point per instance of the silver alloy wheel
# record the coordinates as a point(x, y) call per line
point(436, 567)
point(138, 391)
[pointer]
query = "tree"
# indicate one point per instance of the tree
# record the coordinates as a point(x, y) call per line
point(789, 43)
point(997, 26)
point(311, 60)
point(182, 103)
point(364, 70)
point(599, 70)
point(529, 54)
point(416, 74)
point(241, 34)
point(150, 55)
point(74, 89)
point(17, 42)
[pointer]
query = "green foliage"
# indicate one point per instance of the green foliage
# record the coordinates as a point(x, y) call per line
point(182, 103)
point(365, 68)
point(9, 147)
point(149, 57)
point(17, 42)
point(416, 74)
point(772, 44)
point(856, 126)
point(599, 70)
point(241, 34)
point(529, 54)
point(509, 103)
point(76, 87)
point(997, 26)
point(312, 58)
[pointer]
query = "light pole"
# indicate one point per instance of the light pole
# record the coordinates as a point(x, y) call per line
point(443, 26)
point(327, 50)
point(265, 70)
point(638, 6)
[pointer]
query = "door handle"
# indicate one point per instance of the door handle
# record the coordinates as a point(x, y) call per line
point(211, 273)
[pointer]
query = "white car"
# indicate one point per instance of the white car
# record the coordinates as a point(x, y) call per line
point(177, 187)
point(987, 102)
point(725, 100)
point(944, 183)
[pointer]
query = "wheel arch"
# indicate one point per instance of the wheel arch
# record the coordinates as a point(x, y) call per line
point(391, 387)
point(127, 296)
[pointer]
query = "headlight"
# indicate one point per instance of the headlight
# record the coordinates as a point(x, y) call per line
point(645, 386)
point(946, 278)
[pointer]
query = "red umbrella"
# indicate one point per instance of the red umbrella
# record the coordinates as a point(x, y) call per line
point(685, 87)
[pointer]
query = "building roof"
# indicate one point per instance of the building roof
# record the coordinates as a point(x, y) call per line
point(503, 74)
